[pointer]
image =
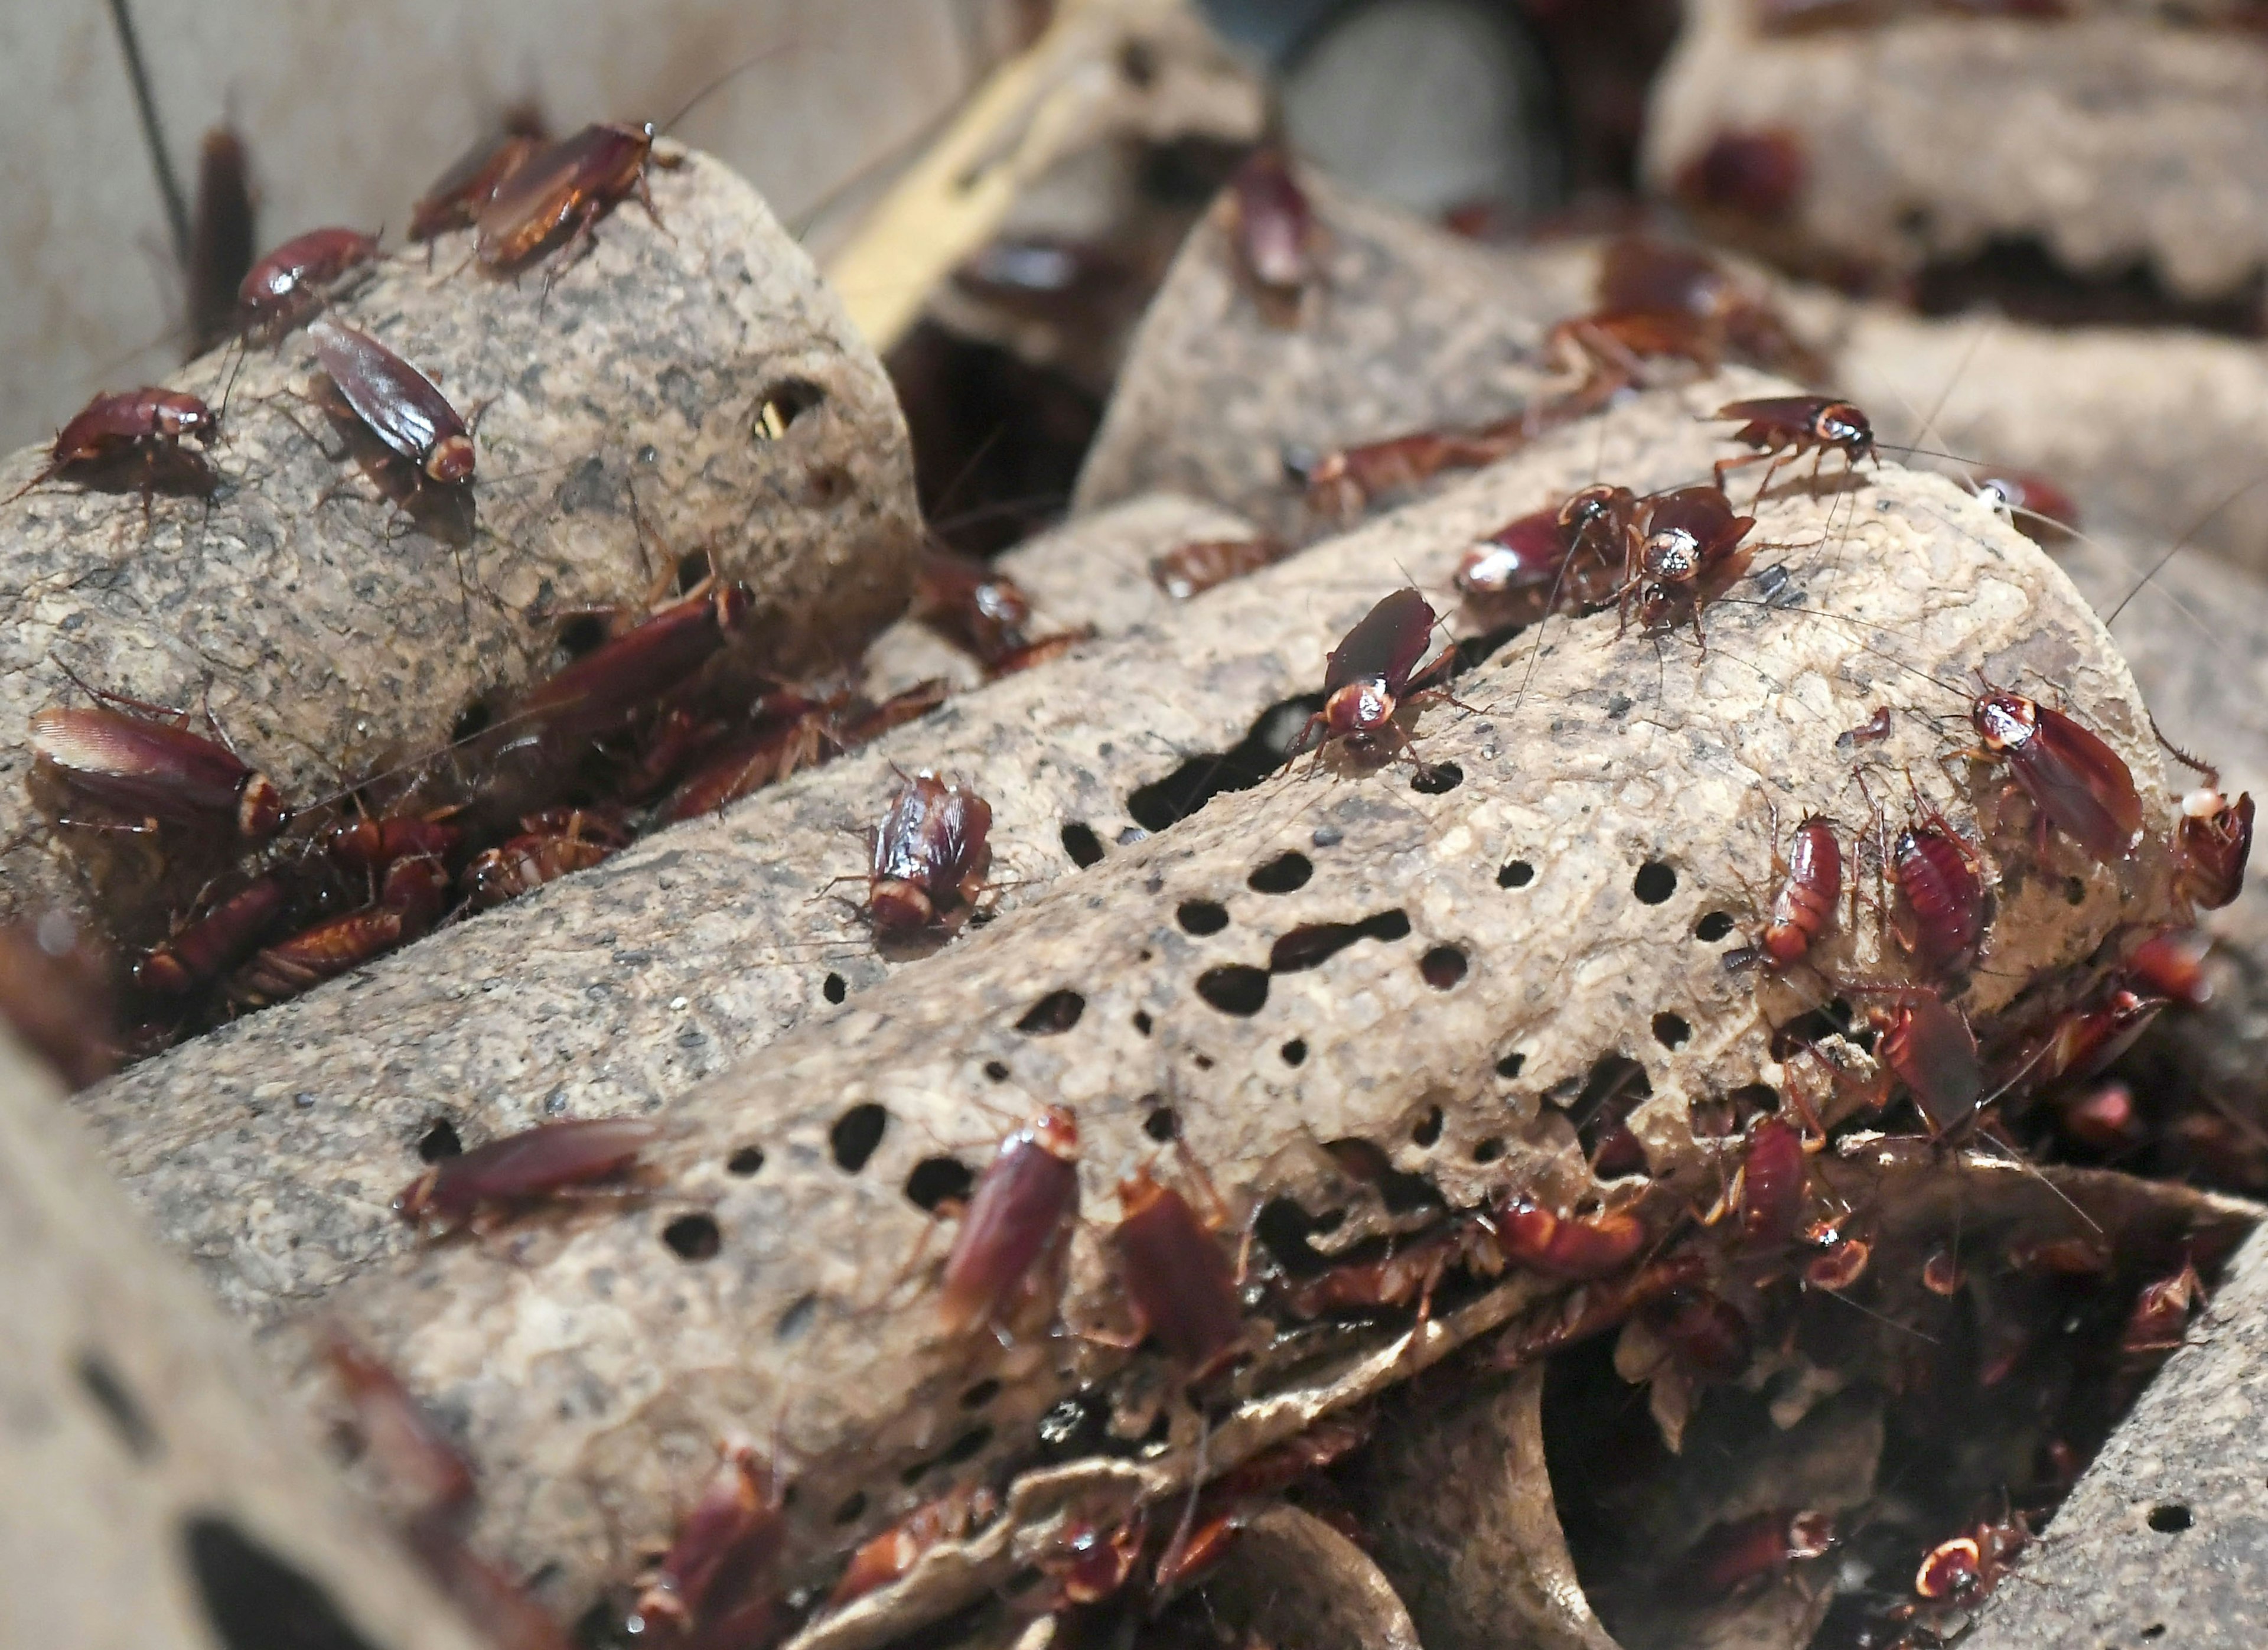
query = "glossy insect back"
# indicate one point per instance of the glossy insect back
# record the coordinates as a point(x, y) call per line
point(929, 857)
point(2080, 786)
point(529, 1165)
point(1004, 1256)
point(1178, 1282)
point(399, 403)
point(284, 287)
point(142, 767)
point(559, 193)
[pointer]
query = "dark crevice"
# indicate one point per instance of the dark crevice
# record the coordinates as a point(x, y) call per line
point(1286, 873)
point(1242, 766)
point(440, 1141)
point(1312, 945)
point(1235, 989)
point(856, 1134)
point(693, 1237)
point(937, 1179)
point(118, 1404)
point(1081, 843)
point(254, 1599)
point(1201, 917)
point(1053, 1014)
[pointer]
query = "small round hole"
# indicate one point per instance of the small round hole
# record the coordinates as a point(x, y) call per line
point(471, 722)
point(856, 1134)
point(1236, 989)
point(580, 633)
point(1284, 874)
point(1436, 779)
point(2170, 1518)
point(1295, 1052)
point(967, 1446)
point(440, 1141)
point(1654, 882)
point(1510, 1064)
point(1518, 874)
point(1489, 1150)
point(1442, 967)
point(832, 989)
point(1428, 1130)
point(1669, 1029)
point(1081, 843)
point(2074, 891)
point(693, 1237)
point(852, 1509)
point(936, 1179)
point(1202, 1062)
point(1142, 1021)
point(980, 1395)
point(745, 1161)
point(1162, 1125)
point(692, 568)
point(1201, 917)
point(1714, 927)
point(1056, 1012)
point(996, 1070)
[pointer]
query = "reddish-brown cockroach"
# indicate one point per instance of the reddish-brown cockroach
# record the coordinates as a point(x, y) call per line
point(1782, 428)
point(1568, 1246)
point(1970, 1565)
point(547, 850)
point(1941, 906)
point(1707, 1337)
point(524, 1167)
point(458, 195)
point(410, 901)
point(1557, 1325)
point(559, 194)
point(909, 705)
point(146, 770)
point(141, 427)
point(1342, 482)
point(2091, 1035)
point(1755, 174)
point(1941, 1273)
point(414, 1456)
point(718, 1565)
point(1088, 1562)
point(202, 950)
point(1011, 1236)
point(1033, 654)
point(370, 846)
point(1377, 666)
point(2211, 846)
point(928, 857)
point(601, 691)
point(1510, 575)
point(1770, 1187)
point(1179, 1285)
point(221, 237)
point(1841, 1263)
point(2101, 1118)
point(751, 762)
point(1192, 568)
point(1638, 274)
point(1688, 547)
point(1407, 1272)
point(2080, 786)
point(2161, 1312)
point(969, 604)
point(2170, 963)
point(398, 403)
point(1872, 731)
point(1810, 886)
point(2061, 1258)
point(1927, 1045)
point(890, 1555)
point(1272, 224)
point(1762, 1547)
point(56, 992)
point(281, 290)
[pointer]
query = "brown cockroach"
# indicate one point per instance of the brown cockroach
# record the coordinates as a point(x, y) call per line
point(458, 195)
point(148, 770)
point(1686, 548)
point(144, 427)
point(1755, 174)
point(1639, 274)
point(557, 195)
point(1013, 1235)
point(890, 1556)
point(601, 691)
point(2161, 1312)
point(55, 993)
point(2100, 1117)
point(2090, 1035)
point(1927, 1045)
point(1971, 1564)
point(927, 858)
point(1872, 731)
point(221, 238)
point(414, 1456)
point(1407, 1272)
point(910, 704)
point(1941, 903)
point(1376, 666)
point(972, 606)
point(718, 1566)
point(1178, 1284)
point(1556, 1325)
point(751, 762)
point(1841, 1262)
point(284, 287)
point(409, 903)
point(1568, 1246)
point(1273, 226)
point(202, 950)
point(1192, 568)
point(1342, 482)
point(1043, 651)
point(535, 1164)
point(1782, 428)
point(1733, 1557)
point(1942, 1274)
point(370, 846)
point(397, 404)
point(1088, 1561)
point(2213, 841)
point(547, 850)
point(2079, 785)
point(1707, 1337)
point(1771, 1187)
point(2170, 963)
point(1810, 886)
point(1510, 575)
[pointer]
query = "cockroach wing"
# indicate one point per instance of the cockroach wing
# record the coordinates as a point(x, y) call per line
point(964, 822)
point(1016, 1216)
point(2081, 784)
point(398, 403)
point(1794, 411)
point(902, 842)
point(1702, 511)
point(550, 1155)
point(1179, 1281)
point(137, 762)
point(1385, 645)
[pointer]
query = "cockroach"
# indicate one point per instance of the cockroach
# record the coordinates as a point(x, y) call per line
point(969, 604)
point(1192, 568)
point(1557, 1325)
point(1273, 226)
point(927, 859)
point(546, 850)
point(2061, 1258)
point(1757, 174)
point(370, 846)
point(2162, 1313)
point(1342, 482)
point(557, 195)
point(1941, 1273)
point(55, 993)
point(1689, 550)
point(1568, 1246)
point(1810, 886)
point(1378, 665)
point(398, 403)
point(1088, 1562)
point(909, 705)
point(2211, 846)
point(1042, 276)
point(890, 1556)
point(2091, 1035)
point(1927, 1045)
point(1043, 651)
point(2170, 963)
point(203, 950)
point(1179, 1285)
point(1782, 428)
point(725, 1547)
point(1407, 1272)
point(1764, 1546)
point(1706, 1337)
point(1638, 274)
point(1842, 1263)
point(221, 237)
point(751, 762)
point(285, 286)
point(151, 770)
point(676, 737)
point(1772, 1184)
point(1872, 731)
point(409, 903)
point(2101, 1118)
point(2080, 786)
point(1013, 1234)
point(1608, 350)
point(415, 1456)
point(1328, 1440)
point(601, 691)
point(1192, 1553)
point(1970, 1565)
point(524, 1167)
point(1941, 906)
point(458, 195)
point(2041, 511)
point(1510, 576)
point(144, 426)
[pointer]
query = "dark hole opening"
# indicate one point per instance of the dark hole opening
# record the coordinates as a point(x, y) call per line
point(1162, 1125)
point(1282, 1228)
point(692, 568)
point(1670, 1030)
point(580, 633)
point(1365, 1160)
point(996, 1070)
point(935, 1179)
point(1714, 927)
point(255, 1600)
point(1654, 882)
point(1235, 989)
point(1518, 874)
point(1311, 945)
point(856, 1134)
point(1284, 874)
point(118, 1405)
point(1081, 843)
point(1056, 1012)
point(471, 722)
point(1295, 1052)
point(693, 1237)
point(1442, 967)
point(782, 404)
point(852, 1509)
point(1489, 1150)
point(1610, 1093)
point(833, 988)
point(1436, 779)
point(1510, 1064)
point(2170, 1518)
point(967, 1446)
point(745, 1161)
point(1243, 765)
point(1142, 1021)
point(980, 1395)
point(1428, 1130)
point(1201, 917)
point(440, 1141)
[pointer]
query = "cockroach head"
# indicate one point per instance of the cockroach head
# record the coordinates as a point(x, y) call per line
point(1056, 1132)
point(900, 906)
point(2004, 721)
point(260, 809)
point(412, 1201)
point(450, 461)
point(1841, 424)
point(1360, 707)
